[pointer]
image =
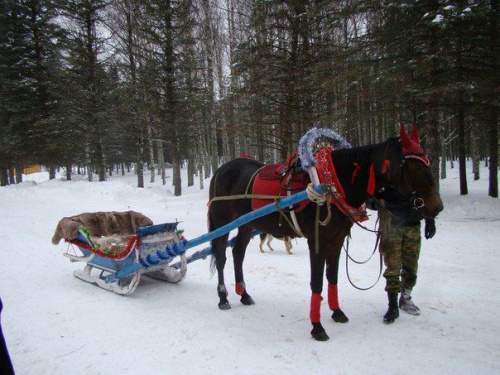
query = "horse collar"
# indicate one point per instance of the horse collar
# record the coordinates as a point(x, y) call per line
point(327, 175)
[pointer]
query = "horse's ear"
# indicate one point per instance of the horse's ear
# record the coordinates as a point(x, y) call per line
point(414, 134)
point(403, 136)
point(411, 146)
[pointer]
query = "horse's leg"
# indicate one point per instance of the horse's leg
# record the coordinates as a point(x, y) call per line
point(332, 269)
point(240, 247)
point(317, 272)
point(219, 252)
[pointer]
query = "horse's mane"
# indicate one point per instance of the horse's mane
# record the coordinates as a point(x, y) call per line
point(354, 165)
point(368, 153)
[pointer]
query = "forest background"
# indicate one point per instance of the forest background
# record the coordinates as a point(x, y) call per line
point(102, 86)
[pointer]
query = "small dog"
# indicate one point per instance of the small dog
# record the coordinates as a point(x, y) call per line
point(269, 237)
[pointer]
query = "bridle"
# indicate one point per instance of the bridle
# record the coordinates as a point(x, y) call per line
point(416, 199)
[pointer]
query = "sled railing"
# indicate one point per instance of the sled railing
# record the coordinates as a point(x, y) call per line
point(167, 254)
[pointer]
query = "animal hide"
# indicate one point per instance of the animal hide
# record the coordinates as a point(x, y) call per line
point(100, 224)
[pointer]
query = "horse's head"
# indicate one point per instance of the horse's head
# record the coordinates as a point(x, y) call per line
point(416, 177)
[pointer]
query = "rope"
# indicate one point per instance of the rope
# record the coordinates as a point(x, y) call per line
point(329, 209)
point(244, 196)
point(314, 196)
point(320, 200)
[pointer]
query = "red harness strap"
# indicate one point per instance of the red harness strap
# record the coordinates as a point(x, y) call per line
point(386, 168)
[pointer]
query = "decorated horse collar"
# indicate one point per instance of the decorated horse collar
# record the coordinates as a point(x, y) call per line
point(315, 149)
point(328, 176)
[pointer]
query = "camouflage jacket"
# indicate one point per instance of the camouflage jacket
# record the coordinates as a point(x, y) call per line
point(402, 213)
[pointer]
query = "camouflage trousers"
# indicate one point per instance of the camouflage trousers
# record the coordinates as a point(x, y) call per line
point(401, 249)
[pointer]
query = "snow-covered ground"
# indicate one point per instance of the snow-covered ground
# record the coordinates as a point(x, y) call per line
point(56, 324)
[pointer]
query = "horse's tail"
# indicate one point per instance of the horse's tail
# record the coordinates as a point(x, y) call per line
point(211, 225)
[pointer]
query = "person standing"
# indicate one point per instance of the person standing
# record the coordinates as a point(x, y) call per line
point(400, 245)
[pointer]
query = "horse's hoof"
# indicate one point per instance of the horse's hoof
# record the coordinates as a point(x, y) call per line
point(247, 301)
point(339, 317)
point(318, 332)
point(224, 306)
point(320, 336)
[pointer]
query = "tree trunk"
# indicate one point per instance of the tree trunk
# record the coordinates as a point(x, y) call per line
point(493, 148)
point(444, 149)
point(201, 155)
point(19, 174)
point(68, 172)
point(4, 177)
point(52, 173)
point(176, 166)
point(461, 151)
point(140, 174)
point(191, 170)
point(475, 140)
point(433, 139)
point(493, 110)
point(101, 166)
point(151, 154)
point(161, 163)
point(12, 179)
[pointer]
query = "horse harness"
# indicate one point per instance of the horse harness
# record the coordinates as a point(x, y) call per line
point(285, 175)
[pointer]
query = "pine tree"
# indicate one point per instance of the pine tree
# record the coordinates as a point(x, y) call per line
point(86, 74)
point(28, 58)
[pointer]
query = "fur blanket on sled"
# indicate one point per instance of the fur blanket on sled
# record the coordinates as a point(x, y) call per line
point(116, 226)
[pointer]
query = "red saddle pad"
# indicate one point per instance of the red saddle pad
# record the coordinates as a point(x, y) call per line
point(269, 182)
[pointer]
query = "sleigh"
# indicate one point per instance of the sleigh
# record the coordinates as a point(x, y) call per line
point(158, 251)
point(150, 249)
point(108, 242)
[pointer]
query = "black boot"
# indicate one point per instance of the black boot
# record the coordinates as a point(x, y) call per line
point(393, 312)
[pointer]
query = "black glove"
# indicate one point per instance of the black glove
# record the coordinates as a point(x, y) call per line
point(430, 228)
point(389, 194)
point(373, 203)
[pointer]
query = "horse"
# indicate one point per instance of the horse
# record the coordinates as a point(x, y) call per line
point(399, 162)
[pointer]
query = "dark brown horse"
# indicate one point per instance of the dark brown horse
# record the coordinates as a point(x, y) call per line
point(398, 162)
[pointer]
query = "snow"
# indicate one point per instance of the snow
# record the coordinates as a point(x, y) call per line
point(438, 19)
point(56, 324)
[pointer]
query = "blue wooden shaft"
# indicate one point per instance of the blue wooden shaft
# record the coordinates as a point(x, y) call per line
point(203, 254)
point(182, 247)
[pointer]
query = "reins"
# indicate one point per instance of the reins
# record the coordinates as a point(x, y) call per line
point(348, 257)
